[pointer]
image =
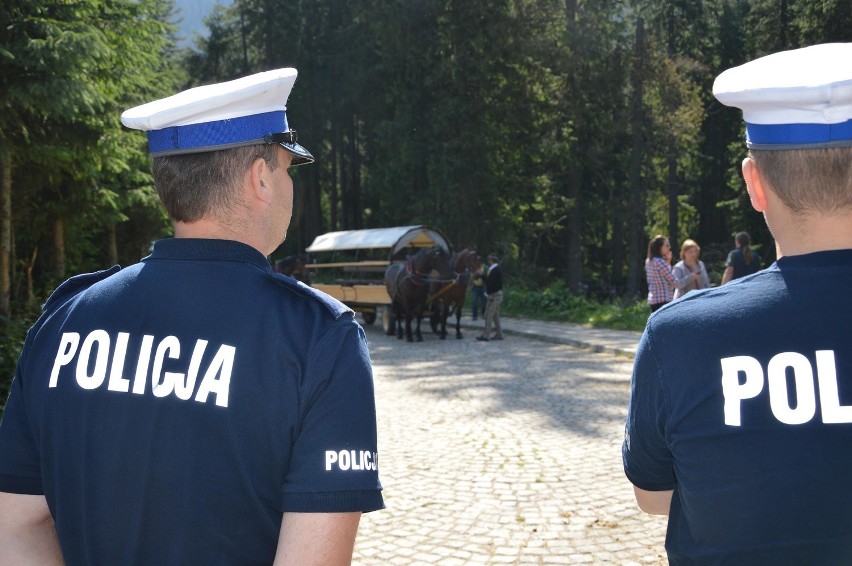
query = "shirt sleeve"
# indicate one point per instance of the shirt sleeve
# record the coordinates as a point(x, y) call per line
point(730, 261)
point(682, 277)
point(334, 459)
point(20, 464)
point(705, 277)
point(666, 272)
point(646, 456)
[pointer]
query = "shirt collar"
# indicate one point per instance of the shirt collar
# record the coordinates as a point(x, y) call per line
point(204, 249)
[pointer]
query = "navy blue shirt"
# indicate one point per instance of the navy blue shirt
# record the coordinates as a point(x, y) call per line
point(493, 279)
point(736, 259)
point(741, 402)
point(171, 412)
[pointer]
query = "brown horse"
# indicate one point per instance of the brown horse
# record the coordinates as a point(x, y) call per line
point(449, 298)
point(293, 266)
point(408, 287)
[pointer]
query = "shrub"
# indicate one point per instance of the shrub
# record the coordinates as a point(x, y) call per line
point(555, 302)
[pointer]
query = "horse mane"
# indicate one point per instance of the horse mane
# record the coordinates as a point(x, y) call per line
point(461, 258)
point(293, 266)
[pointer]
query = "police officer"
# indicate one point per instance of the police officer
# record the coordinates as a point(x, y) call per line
point(195, 408)
point(739, 429)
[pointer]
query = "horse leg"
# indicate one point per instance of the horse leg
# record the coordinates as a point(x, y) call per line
point(458, 320)
point(442, 318)
point(419, 318)
point(408, 335)
point(397, 312)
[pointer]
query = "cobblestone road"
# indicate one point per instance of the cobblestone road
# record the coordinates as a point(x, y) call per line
point(502, 453)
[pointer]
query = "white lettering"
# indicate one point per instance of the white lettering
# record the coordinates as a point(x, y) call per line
point(185, 387)
point(117, 382)
point(735, 392)
point(142, 364)
point(779, 399)
point(354, 460)
point(343, 459)
point(67, 349)
point(794, 409)
point(222, 365)
point(330, 458)
point(164, 383)
point(94, 361)
point(98, 376)
point(829, 397)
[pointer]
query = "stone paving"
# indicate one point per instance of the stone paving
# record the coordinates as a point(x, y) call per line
point(506, 452)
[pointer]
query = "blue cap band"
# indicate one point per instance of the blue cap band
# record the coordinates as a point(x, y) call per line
point(221, 134)
point(799, 134)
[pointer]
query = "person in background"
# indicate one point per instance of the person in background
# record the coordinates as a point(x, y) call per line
point(197, 407)
point(740, 415)
point(494, 290)
point(477, 293)
point(658, 271)
point(742, 261)
point(690, 272)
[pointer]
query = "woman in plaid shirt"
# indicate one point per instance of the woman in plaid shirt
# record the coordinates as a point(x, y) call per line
point(658, 270)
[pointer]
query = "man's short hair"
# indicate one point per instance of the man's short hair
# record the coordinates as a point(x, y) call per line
point(817, 180)
point(198, 185)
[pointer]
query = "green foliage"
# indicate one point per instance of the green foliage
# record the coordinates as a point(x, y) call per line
point(558, 134)
point(69, 70)
point(14, 332)
point(555, 302)
point(508, 124)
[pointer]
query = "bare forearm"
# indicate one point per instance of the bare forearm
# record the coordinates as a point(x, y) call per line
point(27, 532)
point(654, 502)
point(317, 539)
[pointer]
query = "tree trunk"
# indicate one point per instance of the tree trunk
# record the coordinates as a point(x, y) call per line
point(674, 231)
point(355, 205)
point(616, 248)
point(310, 178)
point(59, 246)
point(574, 225)
point(571, 9)
point(671, 160)
point(112, 245)
point(636, 243)
point(29, 271)
point(5, 228)
point(783, 26)
point(334, 198)
point(574, 231)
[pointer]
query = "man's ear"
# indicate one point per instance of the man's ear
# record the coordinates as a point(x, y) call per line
point(755, 185)
point(259, 181)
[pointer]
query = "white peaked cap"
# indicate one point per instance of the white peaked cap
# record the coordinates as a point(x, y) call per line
point(246, 111)
point(793, 99)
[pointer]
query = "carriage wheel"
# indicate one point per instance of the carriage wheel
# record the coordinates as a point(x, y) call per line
point(369, 317)
point(388, 321)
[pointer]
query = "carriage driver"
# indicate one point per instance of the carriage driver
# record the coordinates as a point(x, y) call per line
point(197, 407)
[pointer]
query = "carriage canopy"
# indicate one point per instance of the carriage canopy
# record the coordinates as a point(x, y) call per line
point(395, 240)
point(358, 261)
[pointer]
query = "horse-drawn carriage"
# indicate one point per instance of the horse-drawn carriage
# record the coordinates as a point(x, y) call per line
point(380, 271)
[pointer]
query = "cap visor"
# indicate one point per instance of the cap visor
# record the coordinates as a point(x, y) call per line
point(301, 156)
